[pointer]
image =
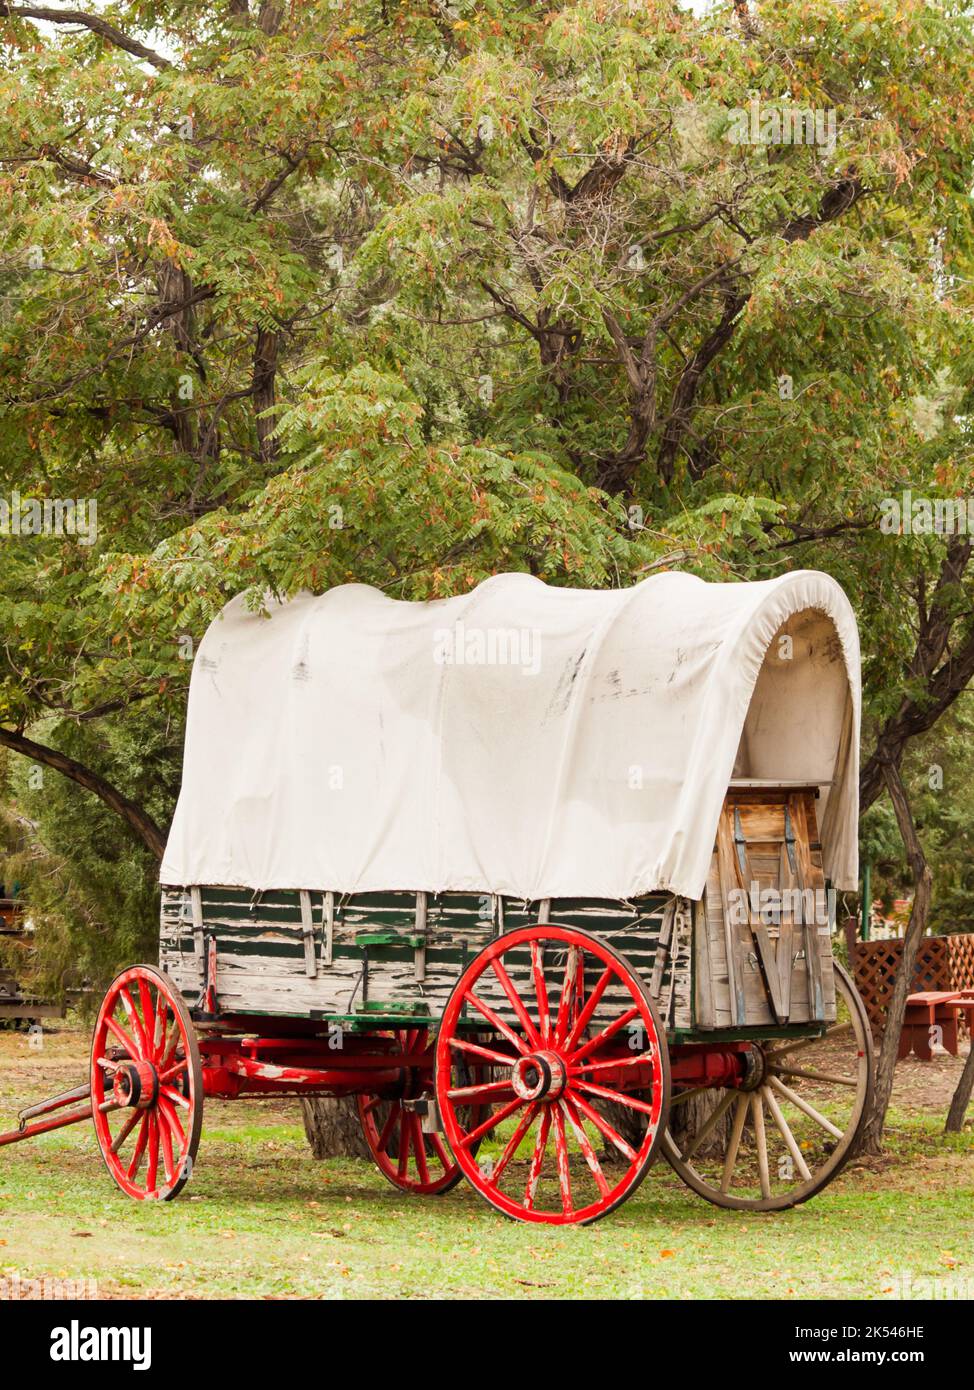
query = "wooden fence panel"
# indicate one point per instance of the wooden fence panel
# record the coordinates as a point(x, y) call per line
point(943, 962)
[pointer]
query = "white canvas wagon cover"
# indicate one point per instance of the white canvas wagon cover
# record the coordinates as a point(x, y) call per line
point(521, 739)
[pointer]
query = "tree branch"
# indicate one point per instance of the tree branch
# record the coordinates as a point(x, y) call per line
point(95, 23)
point(271, 187)
point(943, 682)
point(617, 470)
point(133, 815)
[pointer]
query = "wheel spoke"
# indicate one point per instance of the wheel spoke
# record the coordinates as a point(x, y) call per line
point(568, 994)
point(609, 1032)
point(603, 1126)
point(174, 1097)
point(148, 1016)
point(123, 1037)
point(541, 991)
point(760, 1139)
point(482, 1091)
point(172, 1042)
point(537, 1160)
point(734, 1144)
point(165, 1135)
point(620, 1097)
point(140, 1144)
point(172, 1120)
point(561, 1152)
point(135, 1022)
point(588, 1009)
point(816, 1076)
point(804, 1105)
point(167, 1076)
point(126, 1130)
point(516, 1003)
point(836, 1030)
point(492, 1121)
point(585, 1146)
point(150, 1180)
point(514, 1143)
point(681, 1096)
point(786, 1134)
point(496, 1021)
point(503, 1059)
point(440, 1149)
point(159, 1026)
point(388, 1129)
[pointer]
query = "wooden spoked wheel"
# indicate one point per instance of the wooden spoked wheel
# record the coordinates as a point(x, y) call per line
point(411, 1160)
point(574, 1037)
point(146, 1085)
point(779, 1143)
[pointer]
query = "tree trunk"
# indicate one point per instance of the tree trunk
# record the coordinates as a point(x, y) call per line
point(962, 1096)
point(872, 1136)
point(333, 1128)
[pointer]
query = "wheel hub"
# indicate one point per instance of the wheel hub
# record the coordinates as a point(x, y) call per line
point(136, 1084)
point(538, 1076)
point(755, 1068)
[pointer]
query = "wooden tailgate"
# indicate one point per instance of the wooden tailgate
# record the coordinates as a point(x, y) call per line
point(763, 954)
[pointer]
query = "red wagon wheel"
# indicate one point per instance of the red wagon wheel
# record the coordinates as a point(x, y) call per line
point(577, 1045)
point(411, 1160)
point(146, 1085)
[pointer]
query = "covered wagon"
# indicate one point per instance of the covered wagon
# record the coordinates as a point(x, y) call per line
point(544, 877)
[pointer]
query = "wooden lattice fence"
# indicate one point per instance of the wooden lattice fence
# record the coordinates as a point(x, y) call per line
point(943, 962)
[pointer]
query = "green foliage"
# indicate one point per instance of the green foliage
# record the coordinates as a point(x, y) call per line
point(90, 890)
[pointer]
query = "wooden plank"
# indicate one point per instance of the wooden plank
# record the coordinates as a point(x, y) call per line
point(704, 1013)
point(328, 929)
point(308, 935)
point(759, 930)
point(807, 876)
point(419, 965)
point(196, 902)
point(786, 935)
point(662, 949)
point(735, 952)
point(717, 946)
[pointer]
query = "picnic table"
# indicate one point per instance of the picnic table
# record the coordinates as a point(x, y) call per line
point(931, 1010)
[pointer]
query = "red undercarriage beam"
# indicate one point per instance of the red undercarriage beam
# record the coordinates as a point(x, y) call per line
point(233, 1067)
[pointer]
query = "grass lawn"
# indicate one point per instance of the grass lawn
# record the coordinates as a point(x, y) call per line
point(261, 1218)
